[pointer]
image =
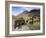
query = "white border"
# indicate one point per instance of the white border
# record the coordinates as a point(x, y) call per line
point(24, 32)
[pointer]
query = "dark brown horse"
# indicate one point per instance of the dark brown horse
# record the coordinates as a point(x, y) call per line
point(19, 23)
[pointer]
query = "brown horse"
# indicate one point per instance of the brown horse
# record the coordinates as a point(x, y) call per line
point(19, 23)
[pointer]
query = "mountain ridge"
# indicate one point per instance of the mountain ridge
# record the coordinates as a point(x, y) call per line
point(33, 12)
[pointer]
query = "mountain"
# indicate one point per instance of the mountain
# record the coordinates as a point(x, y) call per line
point(35, 11)
point(31, 12)
point(25, 13)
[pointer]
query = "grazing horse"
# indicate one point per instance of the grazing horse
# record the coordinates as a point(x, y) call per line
point(19, 23)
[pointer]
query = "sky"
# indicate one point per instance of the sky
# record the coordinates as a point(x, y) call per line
point(18, 10)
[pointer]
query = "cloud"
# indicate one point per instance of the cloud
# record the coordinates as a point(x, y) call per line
point(16, 13)
point(26, 8)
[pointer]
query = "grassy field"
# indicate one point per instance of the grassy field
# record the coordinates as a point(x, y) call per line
point(35, 26)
